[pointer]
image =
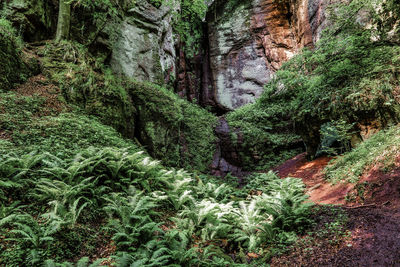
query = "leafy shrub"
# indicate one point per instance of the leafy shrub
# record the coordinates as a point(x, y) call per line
point(266, 137)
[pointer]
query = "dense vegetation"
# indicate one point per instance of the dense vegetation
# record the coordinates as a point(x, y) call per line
point(15, 67)
point(72, 188)
point(173, 130)
point(379, 151)
point(70, 185)
point(79, 179)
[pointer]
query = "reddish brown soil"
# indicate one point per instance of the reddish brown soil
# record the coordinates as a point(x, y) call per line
point(373, 240)
point(373, 223)
point(381, 187)
point(39, 85)
point(311, 172)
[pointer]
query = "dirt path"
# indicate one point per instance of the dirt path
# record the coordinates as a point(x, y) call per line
point(373, 223)
point(311, 172)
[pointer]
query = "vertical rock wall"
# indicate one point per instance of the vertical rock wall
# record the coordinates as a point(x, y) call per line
point(246, 42)
point(145, 49)
point(249, 42)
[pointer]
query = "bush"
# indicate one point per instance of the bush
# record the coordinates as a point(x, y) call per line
point(263, 138)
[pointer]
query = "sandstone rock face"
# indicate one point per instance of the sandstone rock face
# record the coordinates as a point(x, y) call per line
point(249, 42)
point(145, 49)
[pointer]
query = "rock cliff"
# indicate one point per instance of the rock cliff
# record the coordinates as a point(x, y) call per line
point(145, 48)
point(244, 44)
point(249, 41)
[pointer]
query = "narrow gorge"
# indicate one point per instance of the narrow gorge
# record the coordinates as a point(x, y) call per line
point(199, 133)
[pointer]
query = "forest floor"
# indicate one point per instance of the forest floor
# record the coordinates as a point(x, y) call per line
point(368, 228)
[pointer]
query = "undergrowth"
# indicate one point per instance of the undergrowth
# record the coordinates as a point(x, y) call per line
point(266, 138)
point(379, 151)
point(68, 184)
point(13, 69)
point(328, 231)
point(351, 76)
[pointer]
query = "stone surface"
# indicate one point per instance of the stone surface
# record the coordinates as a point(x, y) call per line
point(35, 19)
point(249, 42)
point(226, 158)
point(145, 49)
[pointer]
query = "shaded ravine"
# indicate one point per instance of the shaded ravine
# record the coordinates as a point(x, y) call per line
point(226, 157)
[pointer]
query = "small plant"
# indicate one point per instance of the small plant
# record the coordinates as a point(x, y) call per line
point(28, 232)
point(253, 229)
point(133, 223)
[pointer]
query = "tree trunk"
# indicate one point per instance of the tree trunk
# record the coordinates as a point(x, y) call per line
point(64, 20)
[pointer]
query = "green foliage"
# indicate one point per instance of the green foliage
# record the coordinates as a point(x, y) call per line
point(343, 78)
point(28, 233)
point(135, 192)
point(66, 134)
point(21, 117)
point(350, 76)
point(380, 151)
point(383, 16)
point(133, 225)
point(85, 82)
point(266, 138)
point(83, 262)
point(338, 131)
point(173, 130)
point(69, 184)
point(18, 111)
point(92, 18)
point(13, 69)
point(189, 25)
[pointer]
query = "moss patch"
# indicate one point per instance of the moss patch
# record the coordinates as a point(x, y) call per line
point(12, 66)
point(174, 130)
point(266, 139)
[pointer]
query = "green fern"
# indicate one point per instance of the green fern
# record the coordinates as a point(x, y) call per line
point(29, 233)
point(82, 262)
point(62, 215)
point(130, 219)
point(250, 224)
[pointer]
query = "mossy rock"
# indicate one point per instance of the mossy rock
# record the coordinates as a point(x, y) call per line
point(35, 19)
point(179, 133)
point(15, 65)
